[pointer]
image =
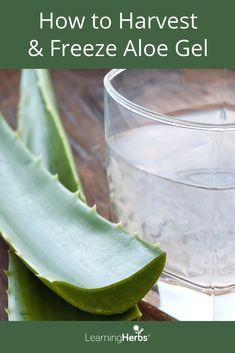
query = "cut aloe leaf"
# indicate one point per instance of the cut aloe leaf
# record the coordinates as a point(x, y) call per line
point(41, 129)
point(28, 298)
point(91, 263)
point(37, 302)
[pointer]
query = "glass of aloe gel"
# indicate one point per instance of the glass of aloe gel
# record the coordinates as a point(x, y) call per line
point(170, 145)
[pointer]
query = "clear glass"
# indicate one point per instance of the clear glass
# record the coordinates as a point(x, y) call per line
point(170, 148)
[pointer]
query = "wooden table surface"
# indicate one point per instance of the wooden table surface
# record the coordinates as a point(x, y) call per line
point(80, 99)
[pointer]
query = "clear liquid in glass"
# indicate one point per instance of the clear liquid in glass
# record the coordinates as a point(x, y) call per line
point(183, 197)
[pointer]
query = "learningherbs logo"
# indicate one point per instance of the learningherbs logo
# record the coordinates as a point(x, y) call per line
point(137, 336)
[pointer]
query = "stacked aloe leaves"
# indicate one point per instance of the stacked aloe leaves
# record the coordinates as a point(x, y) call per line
point(66, 262)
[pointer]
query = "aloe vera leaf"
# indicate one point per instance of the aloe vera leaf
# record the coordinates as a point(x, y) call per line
point(41, 129)
point(90, 262)
point(28, 298)
point(37, 302)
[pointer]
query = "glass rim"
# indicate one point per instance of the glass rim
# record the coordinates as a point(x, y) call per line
point(155, 116)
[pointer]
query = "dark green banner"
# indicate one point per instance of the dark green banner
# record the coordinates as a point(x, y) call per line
point(115, 337)
point(95, 34)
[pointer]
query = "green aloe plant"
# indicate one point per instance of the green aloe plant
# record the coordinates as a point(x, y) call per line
point(93, 264)
point(77, 253)
point(28, 298)
point(41, 129)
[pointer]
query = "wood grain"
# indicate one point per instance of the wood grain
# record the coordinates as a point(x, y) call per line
point(80, 99)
